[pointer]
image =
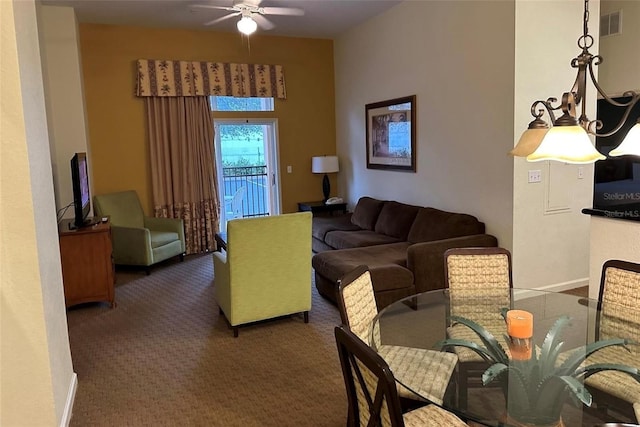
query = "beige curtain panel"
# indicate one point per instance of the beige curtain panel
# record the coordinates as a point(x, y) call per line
point(182, 167)
point(187, 78)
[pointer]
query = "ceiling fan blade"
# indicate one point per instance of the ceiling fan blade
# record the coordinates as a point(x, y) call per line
point(215, 21)
point(263, 22)
point(292, 11)
point(210, 6)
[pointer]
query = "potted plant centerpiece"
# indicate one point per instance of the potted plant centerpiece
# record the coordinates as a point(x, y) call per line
point(537, 386)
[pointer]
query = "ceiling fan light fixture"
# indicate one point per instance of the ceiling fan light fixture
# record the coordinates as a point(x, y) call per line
point(246, 25)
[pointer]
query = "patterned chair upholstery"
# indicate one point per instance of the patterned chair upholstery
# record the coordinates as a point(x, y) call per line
point(472, 275)
point(619, 289)
point(371, 391)
point(431, 370)
point(636, 409)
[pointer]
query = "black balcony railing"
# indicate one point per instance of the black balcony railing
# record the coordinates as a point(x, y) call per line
point(256, 183)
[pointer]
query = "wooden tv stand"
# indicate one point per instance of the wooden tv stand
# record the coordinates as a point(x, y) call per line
point(87, 263)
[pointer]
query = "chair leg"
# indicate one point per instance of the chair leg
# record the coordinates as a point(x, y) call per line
point(148, 270)
point(462, 386)
point(182, 257)
point(235, 331)
point(306, 317)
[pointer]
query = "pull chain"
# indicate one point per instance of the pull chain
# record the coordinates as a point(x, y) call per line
point(586, 18)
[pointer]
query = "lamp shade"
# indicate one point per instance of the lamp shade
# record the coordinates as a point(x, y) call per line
point(630, 144)
point(247, 25)
point(529, 142)
point(569, 144)
point(324, 164)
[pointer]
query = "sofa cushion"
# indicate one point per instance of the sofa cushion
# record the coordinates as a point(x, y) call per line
point(335, 264)
point(366, 212)
point(355, 239)
point(321, 225)
point(395, 219)
point(433, 224)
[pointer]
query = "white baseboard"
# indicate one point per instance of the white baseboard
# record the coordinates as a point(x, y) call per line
point(556, 287)
point(71, 397)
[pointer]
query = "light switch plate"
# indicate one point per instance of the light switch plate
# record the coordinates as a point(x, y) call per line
point(535, 176)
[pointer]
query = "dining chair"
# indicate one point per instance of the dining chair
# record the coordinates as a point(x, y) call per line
point(371, 392)
point(479, 282)
point(431, 370)
point(636, 409)
point(618, 317)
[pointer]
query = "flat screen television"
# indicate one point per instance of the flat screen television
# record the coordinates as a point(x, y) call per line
point(81, 194)
point(616, 189)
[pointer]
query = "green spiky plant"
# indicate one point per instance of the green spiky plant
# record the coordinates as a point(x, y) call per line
point(536, 389)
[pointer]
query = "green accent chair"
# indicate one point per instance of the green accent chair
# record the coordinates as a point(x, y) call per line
point(138, 239)
point(266, 270)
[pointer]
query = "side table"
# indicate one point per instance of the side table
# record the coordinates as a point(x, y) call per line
point(87, 264)
point(221, 241)
point(320, 208)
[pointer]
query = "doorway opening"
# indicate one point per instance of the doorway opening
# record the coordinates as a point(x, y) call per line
point(247, 164)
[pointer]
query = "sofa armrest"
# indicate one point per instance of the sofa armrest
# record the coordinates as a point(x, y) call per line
point(174, 225)
point(426, 259)
point(131, 246)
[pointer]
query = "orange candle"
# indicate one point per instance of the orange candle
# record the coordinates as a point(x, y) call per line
point(519, 324)
point(521, 351)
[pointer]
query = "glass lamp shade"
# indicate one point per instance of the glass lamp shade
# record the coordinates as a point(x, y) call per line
point(324, 164)
point(247, 25)
point(529, 142)
point(630, 144)
point(569, 144)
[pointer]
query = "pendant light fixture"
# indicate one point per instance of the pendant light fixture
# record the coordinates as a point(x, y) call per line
point(567, 140)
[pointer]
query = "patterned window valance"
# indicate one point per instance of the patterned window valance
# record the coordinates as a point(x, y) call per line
point(188, 78)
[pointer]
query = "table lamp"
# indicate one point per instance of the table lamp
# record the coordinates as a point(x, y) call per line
point(325, 165)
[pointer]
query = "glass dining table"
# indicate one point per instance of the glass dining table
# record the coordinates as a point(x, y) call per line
point(523, 382)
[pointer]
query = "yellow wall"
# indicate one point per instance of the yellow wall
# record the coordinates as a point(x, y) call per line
point(117, 122)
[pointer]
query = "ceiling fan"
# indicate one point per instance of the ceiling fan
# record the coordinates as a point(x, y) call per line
point(251, 13)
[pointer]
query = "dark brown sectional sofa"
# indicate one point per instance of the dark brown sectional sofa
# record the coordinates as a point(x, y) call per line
point(403, 246)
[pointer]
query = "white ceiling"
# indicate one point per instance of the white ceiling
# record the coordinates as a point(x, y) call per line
point(322, 18)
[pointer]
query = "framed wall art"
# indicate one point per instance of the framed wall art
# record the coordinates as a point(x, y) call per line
point(391, 134)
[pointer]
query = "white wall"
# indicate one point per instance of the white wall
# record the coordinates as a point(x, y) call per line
point(64, 96)
point(476, 68)
point(457, 57)
point(36, 374)
point(620, 71)
point(551, 235)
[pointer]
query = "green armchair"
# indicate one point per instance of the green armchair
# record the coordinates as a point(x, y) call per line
point(137, 239)
point(266, 270)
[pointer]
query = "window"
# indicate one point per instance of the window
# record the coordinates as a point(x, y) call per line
point(232, 103)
